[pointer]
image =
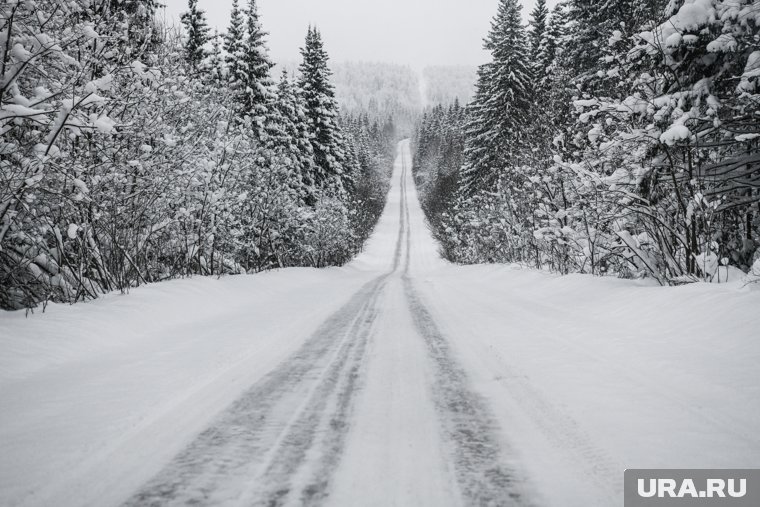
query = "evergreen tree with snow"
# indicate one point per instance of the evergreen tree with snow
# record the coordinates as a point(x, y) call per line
point(196, 29)
point(555, 37)
point(292, 131)
point(502, 99)
point(322, 115)
point(135, 20)
point(233, 40)
point(214, 62)
point(537, 33)
point(252, 79)
point(596, 30)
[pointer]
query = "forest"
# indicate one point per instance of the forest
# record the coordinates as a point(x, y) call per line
point(619, 137)
point(133, 152)
point(615, 138)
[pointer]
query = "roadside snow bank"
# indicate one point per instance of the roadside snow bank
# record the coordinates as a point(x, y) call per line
point(97, 396)
point(590, 376)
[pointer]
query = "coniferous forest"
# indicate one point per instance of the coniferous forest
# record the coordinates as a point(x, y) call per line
point(132, 152)
point(617, 137)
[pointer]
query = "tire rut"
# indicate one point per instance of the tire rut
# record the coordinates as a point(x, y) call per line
point(257, 450)
point(238, 444)
point(469, 427)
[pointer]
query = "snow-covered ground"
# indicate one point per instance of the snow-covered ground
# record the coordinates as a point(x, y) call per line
point(397, 380)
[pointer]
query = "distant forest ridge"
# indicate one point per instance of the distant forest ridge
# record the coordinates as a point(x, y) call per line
point(383, 89)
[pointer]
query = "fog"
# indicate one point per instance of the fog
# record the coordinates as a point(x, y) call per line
point(415, 32)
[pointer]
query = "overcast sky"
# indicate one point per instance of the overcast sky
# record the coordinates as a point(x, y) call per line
point(416, 32)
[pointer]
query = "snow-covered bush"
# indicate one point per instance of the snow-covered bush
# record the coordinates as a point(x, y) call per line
point(130, 154)
point(635, 151)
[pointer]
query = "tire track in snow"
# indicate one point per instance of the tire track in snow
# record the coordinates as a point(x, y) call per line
point(312, 445)
point(277, 416)
point(281, 441)
point(578, 449)
point(469, 427)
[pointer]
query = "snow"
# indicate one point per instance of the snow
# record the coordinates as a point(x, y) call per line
point(72, 231)
point(753, 63)
point(121, 384)
point(693, 15)
point(673, 40)
point(16, 110)
point(584, 376)
point(707, 263)
point(674, 134)
point(589, 377)
point(104, 83)
point(104, 124)
point(80, 185)
point(89, 31)
point(724, 43)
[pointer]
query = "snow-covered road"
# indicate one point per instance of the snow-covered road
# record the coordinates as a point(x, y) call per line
point(397, 380)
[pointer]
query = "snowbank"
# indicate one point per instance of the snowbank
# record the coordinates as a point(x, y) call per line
point(97, 396)
point(590, 376)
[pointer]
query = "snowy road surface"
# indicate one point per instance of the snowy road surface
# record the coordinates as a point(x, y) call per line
point(399, 380)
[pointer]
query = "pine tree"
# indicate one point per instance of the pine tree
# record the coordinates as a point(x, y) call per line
point(252, 81)
point(537, 34)
point(591, 26)
point(233, 40)
point(322, 114)
point(292, 133)
point(197, 31)
point(214, 64)
point(556, 32)
point(502, 99)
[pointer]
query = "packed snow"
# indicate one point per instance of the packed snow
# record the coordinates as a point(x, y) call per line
point(570, 380)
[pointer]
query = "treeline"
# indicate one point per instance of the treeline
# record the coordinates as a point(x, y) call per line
point(132, 154)
point(382, 90)
point(616, 137)
point(443, 84)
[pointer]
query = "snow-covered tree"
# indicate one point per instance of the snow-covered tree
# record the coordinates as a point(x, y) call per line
point(537, 34)
point(322, 113)
point(214, 64)
point(252, 79)
point(638, 155)
point(196, 32)
point(233, 41)
point(293, 131)
point(121, 165)
point(502, 99)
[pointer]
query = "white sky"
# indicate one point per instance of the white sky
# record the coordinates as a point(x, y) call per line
point(415, 32)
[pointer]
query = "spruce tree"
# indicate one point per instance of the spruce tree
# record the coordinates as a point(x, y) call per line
point(536, 36)
point(592, 23)
point(556, 32)
point(194, 21)
point(214, 64)
point(233, 40)
point(502, 99)
point(322, 114)
point(252, 67)
point(132, 26)
point(292, 133)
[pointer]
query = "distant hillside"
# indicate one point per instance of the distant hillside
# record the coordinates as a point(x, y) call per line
point(382, 90)
point(443, 84)
point(377, 89)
